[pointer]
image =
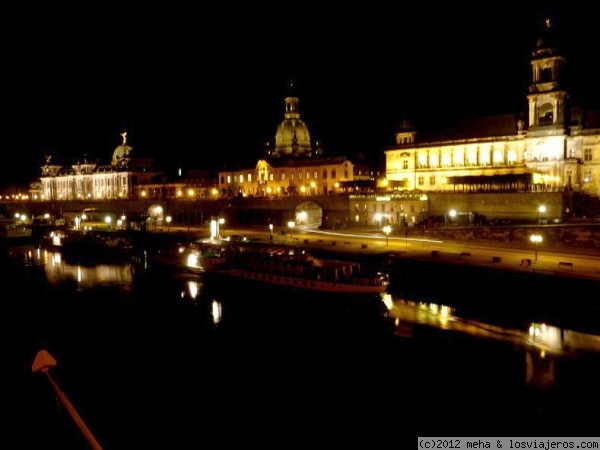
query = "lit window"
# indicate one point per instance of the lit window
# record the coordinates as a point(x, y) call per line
point(445, 160)
point(498, 157)
point(433, 159)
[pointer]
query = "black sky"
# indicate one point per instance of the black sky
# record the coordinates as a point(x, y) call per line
point(205, 89)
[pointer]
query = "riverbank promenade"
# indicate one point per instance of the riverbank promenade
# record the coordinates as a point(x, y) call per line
point(520, 257)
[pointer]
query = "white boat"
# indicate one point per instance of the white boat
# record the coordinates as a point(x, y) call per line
point(295, 269)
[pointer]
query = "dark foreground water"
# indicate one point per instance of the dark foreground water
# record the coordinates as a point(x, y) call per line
point(156, 359)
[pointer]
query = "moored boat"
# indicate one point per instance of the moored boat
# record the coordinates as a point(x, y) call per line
point(90, 245)
point(194, 257)
point(11, 230)
point(294, 268)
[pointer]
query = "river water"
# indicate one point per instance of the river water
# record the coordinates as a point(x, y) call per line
point(150, 357)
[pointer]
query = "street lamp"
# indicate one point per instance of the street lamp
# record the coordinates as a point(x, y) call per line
point(536, 239)
point(452, 216)
point(270, 232)
point(541, 211)
point(291, 225)
point(43, 362)
point(387, 229)
point(221, 224)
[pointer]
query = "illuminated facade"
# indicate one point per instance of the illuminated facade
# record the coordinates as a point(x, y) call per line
point(559, 150)
point(91, 181)
point(292, 168)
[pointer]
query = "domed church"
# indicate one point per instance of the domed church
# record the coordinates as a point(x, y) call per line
point(292, 138)
point(291, 166)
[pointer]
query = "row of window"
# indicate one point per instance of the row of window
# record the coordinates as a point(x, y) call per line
point(385, 207)
point(270, 176)
point(474, 158)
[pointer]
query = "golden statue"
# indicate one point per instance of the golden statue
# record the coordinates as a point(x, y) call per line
point(124, 135)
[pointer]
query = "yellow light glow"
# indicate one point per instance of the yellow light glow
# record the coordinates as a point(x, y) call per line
point(216, 312)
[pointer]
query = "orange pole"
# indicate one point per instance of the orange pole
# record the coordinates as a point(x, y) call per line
point(73, 413)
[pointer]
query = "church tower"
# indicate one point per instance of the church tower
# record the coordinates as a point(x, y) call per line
point(548, 132)
point(547, 99)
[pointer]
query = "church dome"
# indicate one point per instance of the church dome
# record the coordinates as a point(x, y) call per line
point(121, 153)
point(292, 137)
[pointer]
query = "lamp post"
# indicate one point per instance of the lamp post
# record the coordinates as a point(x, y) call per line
point(387, 229)
point(541, 211)
point(270, 232)
point(43, 363)
point(452, 216)
point(291, 225)
point(221, 225)
point(536, 239)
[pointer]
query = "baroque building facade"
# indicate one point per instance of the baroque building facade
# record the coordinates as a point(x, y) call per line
point(554, 147)
point(292, 167)
point(92, 181)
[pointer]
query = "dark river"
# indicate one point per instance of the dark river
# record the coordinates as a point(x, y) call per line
point(151, 358)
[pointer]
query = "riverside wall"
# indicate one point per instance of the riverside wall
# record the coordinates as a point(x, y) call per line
point(584, 236)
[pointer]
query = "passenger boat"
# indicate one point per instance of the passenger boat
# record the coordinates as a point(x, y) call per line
point(296, 269)
point(90, 245)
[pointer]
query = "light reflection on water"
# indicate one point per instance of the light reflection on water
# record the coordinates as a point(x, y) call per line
point(527, 371)
point(407, 314)
point(542, 336)
point(86, 277)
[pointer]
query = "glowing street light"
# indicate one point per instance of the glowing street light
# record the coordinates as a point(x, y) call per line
point(387, 229)
point(452, 216)
point(43, 363)
point(541, 211)
point(221, 225)
point(536, 239)
point(270, 232)
point(291, 224)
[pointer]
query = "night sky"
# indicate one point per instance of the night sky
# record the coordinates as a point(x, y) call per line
point(205, 89)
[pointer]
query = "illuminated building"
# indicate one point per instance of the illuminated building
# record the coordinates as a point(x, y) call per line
point(292, 167)
point(554, 147)
point(92, 181)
